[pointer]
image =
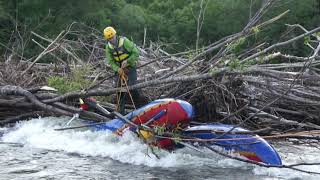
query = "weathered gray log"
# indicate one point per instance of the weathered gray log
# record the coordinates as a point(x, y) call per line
point(280, 120)
point(18, 91)
point(33, 114)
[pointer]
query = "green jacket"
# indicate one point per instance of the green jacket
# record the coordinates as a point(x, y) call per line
point(132, 50)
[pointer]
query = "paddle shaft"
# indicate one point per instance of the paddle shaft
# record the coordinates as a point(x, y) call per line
point(77, 127)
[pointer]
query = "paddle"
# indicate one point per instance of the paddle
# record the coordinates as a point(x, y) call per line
point(117, 115)
point(77, 127)
point(96, 105)
point(75, 116)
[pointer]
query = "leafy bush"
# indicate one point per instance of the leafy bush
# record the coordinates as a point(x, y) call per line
point(74, 82)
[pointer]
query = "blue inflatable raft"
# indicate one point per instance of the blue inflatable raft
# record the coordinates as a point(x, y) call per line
point(164, 111)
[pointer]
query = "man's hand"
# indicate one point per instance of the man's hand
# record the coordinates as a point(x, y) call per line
point(121, 73)
point(124, 64)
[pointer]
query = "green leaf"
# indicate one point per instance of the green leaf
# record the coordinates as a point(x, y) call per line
point(255, 30)
point(307, 40)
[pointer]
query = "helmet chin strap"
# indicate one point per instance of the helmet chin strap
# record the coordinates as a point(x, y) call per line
point(114, 41)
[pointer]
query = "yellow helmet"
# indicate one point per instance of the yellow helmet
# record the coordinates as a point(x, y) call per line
point(109, 32)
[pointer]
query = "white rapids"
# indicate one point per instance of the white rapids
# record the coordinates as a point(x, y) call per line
point(40, 134)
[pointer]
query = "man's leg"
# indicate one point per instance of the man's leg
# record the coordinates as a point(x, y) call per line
point(132, 80)
point(121, 96)
point(122, 103)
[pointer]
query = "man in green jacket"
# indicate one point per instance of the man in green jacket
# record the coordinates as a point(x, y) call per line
point(122, 55)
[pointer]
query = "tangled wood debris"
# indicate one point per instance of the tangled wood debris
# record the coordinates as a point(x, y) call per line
point(260, 87)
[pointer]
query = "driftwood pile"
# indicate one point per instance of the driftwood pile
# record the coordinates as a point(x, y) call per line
point(246, 88)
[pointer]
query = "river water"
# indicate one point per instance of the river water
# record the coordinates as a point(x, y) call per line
point(34, 150)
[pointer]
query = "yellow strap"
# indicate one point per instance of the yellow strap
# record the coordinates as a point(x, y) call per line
point(146, 134)
point(121, 42)
point(121, 57)
point(110, 45)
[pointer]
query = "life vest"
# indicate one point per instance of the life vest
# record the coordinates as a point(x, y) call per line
point(119, 53)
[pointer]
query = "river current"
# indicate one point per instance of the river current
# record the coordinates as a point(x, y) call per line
point(34, 150)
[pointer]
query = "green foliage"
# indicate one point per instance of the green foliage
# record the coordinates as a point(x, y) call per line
point(214, 71)
point(251, 62)
point(307, 40)
point(255, 30)
point(136, 24)
point(235, 64)
point(177, 137)
point(159, 130)
point(305, 13)
point(236, 45)
point(170, 21)
point(2, 12)
point(4, 24)
point(75, 82)
point(59, 83)
point(176, 133)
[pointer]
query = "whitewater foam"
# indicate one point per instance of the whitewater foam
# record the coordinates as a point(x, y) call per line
point(40, 133)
